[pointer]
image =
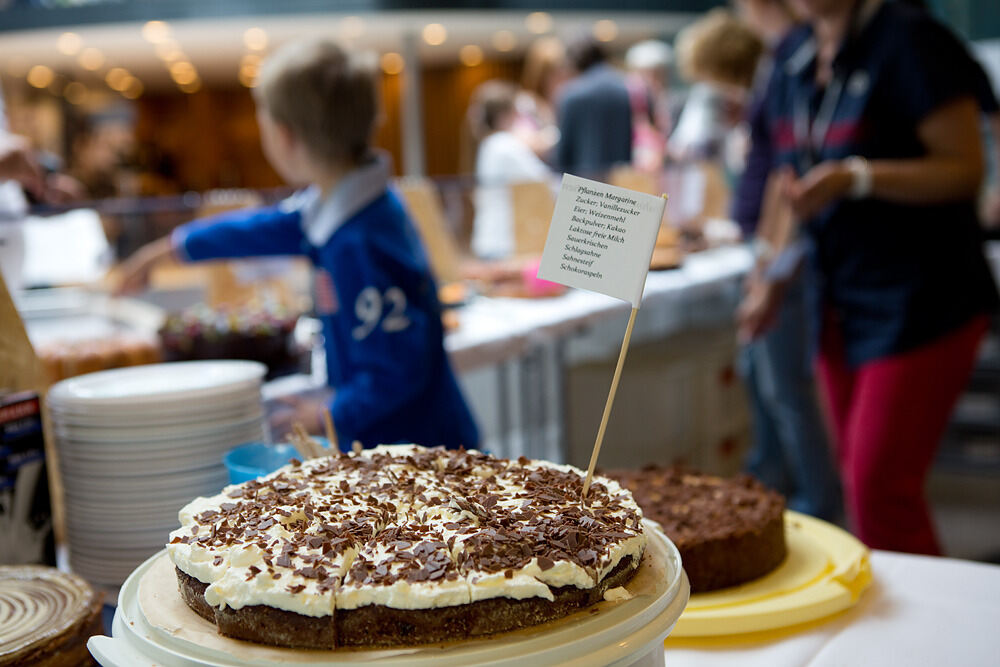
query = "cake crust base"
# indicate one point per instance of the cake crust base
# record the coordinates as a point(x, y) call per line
point(722, 562)
point(381, 626)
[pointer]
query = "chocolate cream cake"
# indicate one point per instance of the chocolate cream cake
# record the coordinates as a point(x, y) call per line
point(728, 531)
point(46, 617)
point(403, 545)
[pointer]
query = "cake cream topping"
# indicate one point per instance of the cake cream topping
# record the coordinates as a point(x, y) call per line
point(404, 527)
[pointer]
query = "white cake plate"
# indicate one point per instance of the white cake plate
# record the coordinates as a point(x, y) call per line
point(624, 634)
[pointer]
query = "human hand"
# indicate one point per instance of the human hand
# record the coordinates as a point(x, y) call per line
point(17, 163)
point(817, 189)
point(294, 410)
point(63, 188)
point(759, 308)
point(990, 210)
point(134, 273)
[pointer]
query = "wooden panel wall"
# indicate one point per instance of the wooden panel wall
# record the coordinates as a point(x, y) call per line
point(447, 91)
point(210, 138)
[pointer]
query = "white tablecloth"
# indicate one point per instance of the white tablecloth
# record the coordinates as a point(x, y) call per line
point(919, 611)
point(497, 329)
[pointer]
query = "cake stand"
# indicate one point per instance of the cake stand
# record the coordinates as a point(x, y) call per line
point(825, 572)
point(153, 626)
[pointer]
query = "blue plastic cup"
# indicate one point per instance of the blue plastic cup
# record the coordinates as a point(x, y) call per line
point(256, 459)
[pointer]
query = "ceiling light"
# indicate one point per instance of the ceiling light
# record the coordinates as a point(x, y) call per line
point(183, 73)
point(155, 31)
point(248, 71)
point(255, 39)
point(248, 75)
point(117, 78)
point(90, 58)
point(435, 34)
point(40, 76)
point(470, 55)
point(191, 87)
point(134, 89)
point(538, 22)
point(69, 43)
point(605, 30)
point(504, 40)
point(392, 63)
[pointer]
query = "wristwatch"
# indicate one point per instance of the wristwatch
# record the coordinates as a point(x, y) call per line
point(861, 177)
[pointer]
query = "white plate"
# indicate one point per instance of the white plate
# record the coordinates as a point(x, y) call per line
point(144, 487)
point(221, 401)
point(142, 526)
point(178, 497)
point(138, 468)
point(242, 409)
point(109, 560)
point(114, 478)
point(141, 447)
point(182, 431)
point(123, 539)
point(134, 512)
point(185, 382)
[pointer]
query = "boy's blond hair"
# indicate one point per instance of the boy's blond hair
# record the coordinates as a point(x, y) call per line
point(325, 95)
point(719, 48)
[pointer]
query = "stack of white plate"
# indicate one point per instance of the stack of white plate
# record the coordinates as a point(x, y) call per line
point(137, 444)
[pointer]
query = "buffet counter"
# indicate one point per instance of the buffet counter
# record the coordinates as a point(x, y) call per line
point(494, 330)
point(513, 355)
point(918, 611)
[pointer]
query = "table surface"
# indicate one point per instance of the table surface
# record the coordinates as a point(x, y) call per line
point(495, 329)
point(918, 611)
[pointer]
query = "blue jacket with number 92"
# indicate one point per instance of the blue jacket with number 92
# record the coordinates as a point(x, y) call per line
point(375, 296)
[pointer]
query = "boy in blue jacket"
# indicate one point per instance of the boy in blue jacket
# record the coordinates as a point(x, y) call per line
point(375, 295)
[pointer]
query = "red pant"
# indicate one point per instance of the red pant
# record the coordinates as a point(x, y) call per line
point(888, 417)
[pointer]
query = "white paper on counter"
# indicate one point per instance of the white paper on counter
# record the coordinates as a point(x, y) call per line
point(65, 249)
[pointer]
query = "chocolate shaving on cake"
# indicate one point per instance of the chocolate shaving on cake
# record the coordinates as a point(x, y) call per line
point(424, 517)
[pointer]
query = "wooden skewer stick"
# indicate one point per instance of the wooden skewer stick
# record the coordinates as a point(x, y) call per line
point(607, 406)
point(308, 444)
point(297, 443)
point(331, 435)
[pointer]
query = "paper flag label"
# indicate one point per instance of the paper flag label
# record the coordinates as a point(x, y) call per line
point(601, 238)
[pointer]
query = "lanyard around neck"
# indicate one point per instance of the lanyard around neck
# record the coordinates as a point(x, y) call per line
point(810, 137)
point(809, 140)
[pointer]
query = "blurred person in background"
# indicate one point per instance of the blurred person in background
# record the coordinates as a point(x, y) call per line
point(989, 209)
point(648, 65)
point(594, 112)
point(790, 451)
point(542, 78)
point(19, 171)
point(23, 177)
point(502, 158)
point(719, 55)
point(873, 119)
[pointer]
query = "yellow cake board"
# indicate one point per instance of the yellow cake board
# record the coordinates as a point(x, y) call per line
point(825, 572)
